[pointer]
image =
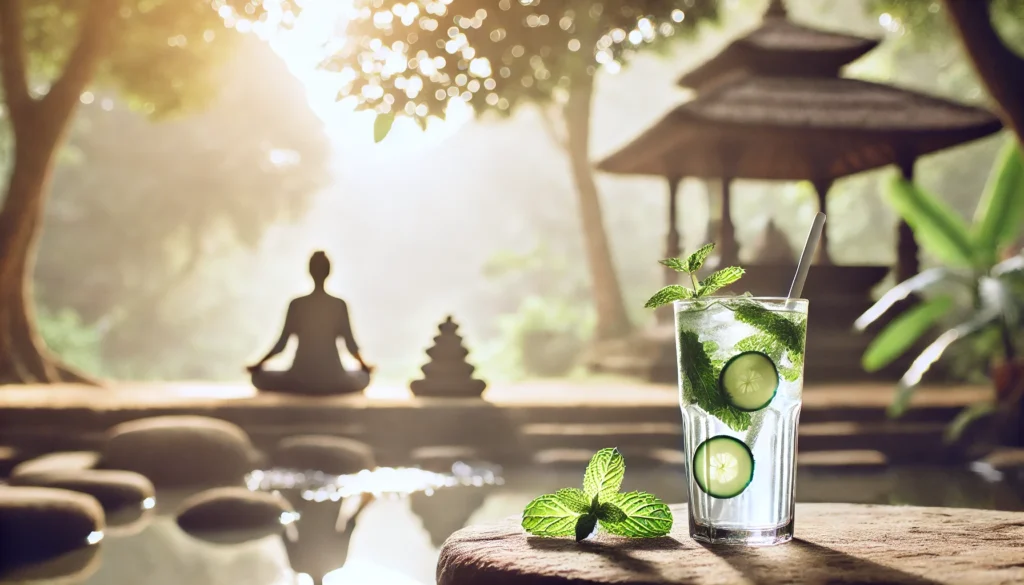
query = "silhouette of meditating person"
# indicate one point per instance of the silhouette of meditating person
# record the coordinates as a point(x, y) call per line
point(317, 320)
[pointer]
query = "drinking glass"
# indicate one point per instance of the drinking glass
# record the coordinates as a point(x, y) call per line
point(740, 383)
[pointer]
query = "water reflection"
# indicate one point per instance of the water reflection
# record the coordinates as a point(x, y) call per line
point(395, 537)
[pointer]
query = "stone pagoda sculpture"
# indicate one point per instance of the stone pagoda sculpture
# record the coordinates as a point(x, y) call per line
point(447, 374)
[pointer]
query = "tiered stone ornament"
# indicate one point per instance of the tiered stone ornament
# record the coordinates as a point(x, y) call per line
point(447, 374)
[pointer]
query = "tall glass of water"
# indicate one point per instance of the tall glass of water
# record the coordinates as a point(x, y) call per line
point(740, 383)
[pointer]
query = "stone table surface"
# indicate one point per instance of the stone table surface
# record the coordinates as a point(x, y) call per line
point(834, 543)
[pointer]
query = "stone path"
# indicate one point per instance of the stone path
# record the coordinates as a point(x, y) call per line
point(835, 543)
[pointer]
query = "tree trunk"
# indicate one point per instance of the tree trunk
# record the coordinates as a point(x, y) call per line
point(1000, 69)
point(612, 319)
point(23, 356)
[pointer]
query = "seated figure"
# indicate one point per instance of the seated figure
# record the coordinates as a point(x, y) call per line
point(317, 320)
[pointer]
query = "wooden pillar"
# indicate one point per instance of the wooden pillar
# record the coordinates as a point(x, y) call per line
point(672, 246)
point(907, 263)
point(822, 186)
point(727, 246)
point(672, 243)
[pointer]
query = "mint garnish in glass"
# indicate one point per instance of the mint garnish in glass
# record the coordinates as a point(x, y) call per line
point(576, 512)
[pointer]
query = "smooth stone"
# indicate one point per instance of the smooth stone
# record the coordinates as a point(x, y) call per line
point(40, 525)
point(124, 495)
point(233, 515)
point(447, 509)
point(835, 543)
point(9, 458)
point(326, 453)
point(180, 451)
point(60, 461)
point(441, 458)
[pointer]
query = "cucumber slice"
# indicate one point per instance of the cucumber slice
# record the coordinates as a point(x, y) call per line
point(749, 381)
point(723, 467)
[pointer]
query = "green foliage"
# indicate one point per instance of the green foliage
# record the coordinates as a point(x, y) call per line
point(1000, 214)
point(696, 260)
point(789, 333)
point(719, 279)
point(77, 344)
point(410, 58)
point(574, 512)
point(994, 288)
point(668, 294)
point(903, 331)
point(939, 229)
point(143, 216)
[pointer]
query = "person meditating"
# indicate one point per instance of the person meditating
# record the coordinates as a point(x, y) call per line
point(317, 320)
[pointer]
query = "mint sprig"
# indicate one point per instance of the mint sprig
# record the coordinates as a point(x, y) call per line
point(700, 382)
point(575, 512)
point(701, 288)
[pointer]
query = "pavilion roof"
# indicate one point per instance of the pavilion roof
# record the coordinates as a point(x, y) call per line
point(798, 128)
point(783, 48)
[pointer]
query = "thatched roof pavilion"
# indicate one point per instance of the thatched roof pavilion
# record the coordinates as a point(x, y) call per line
point(772, 106)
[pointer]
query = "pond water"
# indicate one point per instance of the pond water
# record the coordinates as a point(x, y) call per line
point(396, 539)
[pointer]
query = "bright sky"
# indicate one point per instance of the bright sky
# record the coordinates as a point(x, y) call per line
point(304, 47)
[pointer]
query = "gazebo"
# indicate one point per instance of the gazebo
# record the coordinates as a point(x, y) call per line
point(772, 106)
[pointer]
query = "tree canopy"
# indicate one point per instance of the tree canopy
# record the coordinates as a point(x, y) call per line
point(410, 58)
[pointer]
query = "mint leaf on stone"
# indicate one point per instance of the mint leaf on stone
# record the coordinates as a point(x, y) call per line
point(646, 516)
point(604, 474)
point(548, 515)
point(719, 279)
point(696, 260)
point(574, 499)
point(673, 292)
point(609, 512)
point(585, 526)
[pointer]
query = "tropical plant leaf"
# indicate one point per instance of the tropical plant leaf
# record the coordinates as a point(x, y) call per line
point(604, 474)
point(1009, 266)
point(585, 526)
point(609, 512)
point(931, 354)
point(720, 279)
point(575, 499)
point(696, 260)
point(904, 330)
point(997, 295)
point(965, 417)
point(938, 228)
point(670, 293)
point(914, 284)
point(646, 516)
point(999, 216)
point(548, 515)
point(382, 126)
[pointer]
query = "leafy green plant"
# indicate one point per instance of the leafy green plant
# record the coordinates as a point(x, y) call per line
point(971, 255)
point(576, 512)
point(701, 288)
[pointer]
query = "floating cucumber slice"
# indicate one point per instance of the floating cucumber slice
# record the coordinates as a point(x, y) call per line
point(723, 467)
point(749, 381)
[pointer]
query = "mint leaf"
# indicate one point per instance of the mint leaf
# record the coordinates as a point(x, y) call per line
point(676, 264)
point(646, 516)
point(574, 499)
point(604, 474)
point(609, 512)
point(696, 260)
point(548, 515)
point(789, 333)
point(719, 279)
point(585, 526)
point(700, 383)
point(673, 292)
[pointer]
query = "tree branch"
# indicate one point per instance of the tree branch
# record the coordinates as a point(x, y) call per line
point(1000, 69)
point(93, 33)
point(12, 58)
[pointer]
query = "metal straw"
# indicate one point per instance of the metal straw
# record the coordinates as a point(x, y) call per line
point(810, 246)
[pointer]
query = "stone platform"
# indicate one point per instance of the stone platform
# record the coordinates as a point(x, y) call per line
point(544, 422)
point(834, 543)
